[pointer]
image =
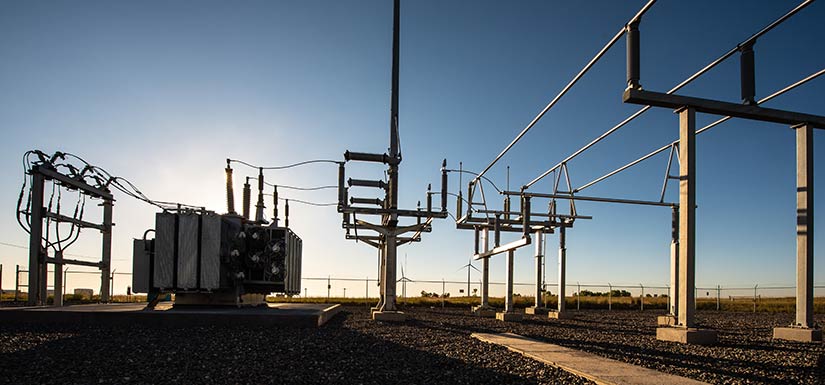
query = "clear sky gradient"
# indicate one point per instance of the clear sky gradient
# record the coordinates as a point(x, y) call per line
point(163, 92)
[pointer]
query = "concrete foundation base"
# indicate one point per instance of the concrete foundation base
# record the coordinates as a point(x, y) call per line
point(556, 315)
point(536, 310)
point(797, 334)
point(389, 316)
point(510, 317)
point(666, 320)
point(485, 312)
point(686, 335)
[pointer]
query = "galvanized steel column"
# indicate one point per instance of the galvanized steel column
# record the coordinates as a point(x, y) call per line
point(562, 266)
point(687, 215)
point(106, 263)
point(35, 297)
point(804, 226)
point(508, 299)
point(485, 269)
point(539, 257)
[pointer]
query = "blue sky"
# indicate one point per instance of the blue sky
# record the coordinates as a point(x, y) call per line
point(163, 92)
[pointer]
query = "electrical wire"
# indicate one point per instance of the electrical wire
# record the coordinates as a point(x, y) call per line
point(286, 166)
point(699, 131)
point(296, 188)
point(691, 78)
point(567, 87)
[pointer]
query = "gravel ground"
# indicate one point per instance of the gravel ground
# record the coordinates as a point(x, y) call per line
point(745, 353)
point(430, 349)
point(433, 347)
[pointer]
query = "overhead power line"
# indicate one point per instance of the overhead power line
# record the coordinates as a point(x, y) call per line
point(566, 88)
point(685, 82)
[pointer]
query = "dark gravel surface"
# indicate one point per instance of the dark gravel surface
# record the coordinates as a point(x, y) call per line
point(432, 348)
point(745, 352)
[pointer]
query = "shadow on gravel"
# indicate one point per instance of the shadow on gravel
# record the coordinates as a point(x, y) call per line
point(225, 354)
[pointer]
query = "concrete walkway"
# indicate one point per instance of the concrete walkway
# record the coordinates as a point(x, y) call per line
point(590, 366)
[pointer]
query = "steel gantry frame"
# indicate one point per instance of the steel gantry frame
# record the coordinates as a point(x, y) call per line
point(38, 254)
point(686, 107)
point(387, 235)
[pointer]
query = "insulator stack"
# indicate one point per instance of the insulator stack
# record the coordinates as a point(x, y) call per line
point(230, 192)
point(247, 193)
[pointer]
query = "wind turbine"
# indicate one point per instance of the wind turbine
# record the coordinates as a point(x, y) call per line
point(469, 266)
point(404, 279)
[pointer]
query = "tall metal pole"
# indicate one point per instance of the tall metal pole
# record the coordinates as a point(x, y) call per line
point(35, 241)
point(562, 266)
point(58, 279)
point(687, 215)
point(804, 226)
point(539, 258)
point(106, 263)
point(508, 299)
point(485, 269)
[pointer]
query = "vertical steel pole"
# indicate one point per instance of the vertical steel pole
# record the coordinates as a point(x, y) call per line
point(16, 283)
point(674, 263)
point(390, 273)
point(609, 297)
point(35, 240)
point(539, 257)
point(508, 300)
point(106, 263)
point(485, 268)
point(443, 291)
point(642, 298)
point(58, 279)
point(804, 226)
point(562, 275)
point(718, 293)
point(329, 286)
point(65, 280)
point(687, 215)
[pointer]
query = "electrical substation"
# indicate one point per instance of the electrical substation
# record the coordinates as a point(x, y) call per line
point(202, 263)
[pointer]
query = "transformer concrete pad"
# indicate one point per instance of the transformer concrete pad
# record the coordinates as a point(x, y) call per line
point(563, 315)
point(666, 320)
point(536, 310)
point(686, 335)
point(389, 316)
point(281, 314)
point(590, 366)
point(510, 317)
point(484, 312)
point(797, 334)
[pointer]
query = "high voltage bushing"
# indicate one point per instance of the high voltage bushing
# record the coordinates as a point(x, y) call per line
point(429, 197)
point(275, 205)
point(747, 73)
point(633, 60)
point(458, 204)
point(525, 216)
point(259, 207)
point(230, 193)
point(444, 186)
point(247, 196)
point(341, 192)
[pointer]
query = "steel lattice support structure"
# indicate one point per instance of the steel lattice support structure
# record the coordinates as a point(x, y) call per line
point(38, 254)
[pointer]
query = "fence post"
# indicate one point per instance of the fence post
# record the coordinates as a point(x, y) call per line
point(1, 281)
point(578, 296)
point(329, 286)
point(754, 297)
point(609, 296)
point(112, 286)
point(443, 290)
point(16, 282)
point(669, 309)
point(642, 298)
point(718, 294)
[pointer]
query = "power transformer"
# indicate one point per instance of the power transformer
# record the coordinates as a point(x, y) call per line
point(216, 258)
